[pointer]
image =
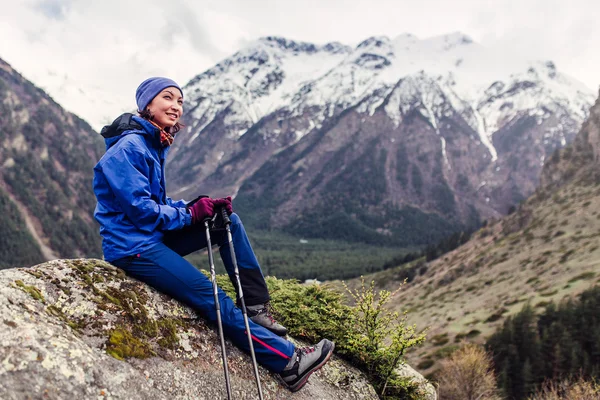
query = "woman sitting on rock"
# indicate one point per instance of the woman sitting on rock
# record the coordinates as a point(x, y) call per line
point(147, 234)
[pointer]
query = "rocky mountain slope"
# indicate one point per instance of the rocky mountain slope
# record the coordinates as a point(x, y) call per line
point(46, 161)
point(80, 329)
point(545, 251)
point(428, 134)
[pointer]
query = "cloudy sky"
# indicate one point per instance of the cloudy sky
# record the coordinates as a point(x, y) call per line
point(91, 55)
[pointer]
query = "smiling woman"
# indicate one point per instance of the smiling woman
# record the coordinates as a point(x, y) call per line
point(147, 234)
point(160, 101)
point(166, 108)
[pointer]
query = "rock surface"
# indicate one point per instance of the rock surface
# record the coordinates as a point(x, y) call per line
point(428, 391)
point(80, 329)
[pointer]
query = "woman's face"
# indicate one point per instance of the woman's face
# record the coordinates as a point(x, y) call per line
point(167, 107)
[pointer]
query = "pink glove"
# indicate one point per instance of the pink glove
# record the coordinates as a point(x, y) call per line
point(202, 209)
point(224, 202)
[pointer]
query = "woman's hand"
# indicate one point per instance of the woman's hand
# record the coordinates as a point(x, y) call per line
point(202, 209)
point(224, 202)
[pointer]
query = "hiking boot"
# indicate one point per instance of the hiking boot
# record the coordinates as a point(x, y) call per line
point(261, 314)
point(306, 361)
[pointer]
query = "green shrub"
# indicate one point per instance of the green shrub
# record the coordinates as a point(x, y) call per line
point(473, 333)
point(426, 364)
point(496, 315)
point(440, 340)
point(445, 351)
point(377, 339)
point(371, 337)
point(469, 335)
point(584, 276)
point(549, 293)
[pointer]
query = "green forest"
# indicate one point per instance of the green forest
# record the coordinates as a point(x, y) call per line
point(285, 257)
point(563, 342)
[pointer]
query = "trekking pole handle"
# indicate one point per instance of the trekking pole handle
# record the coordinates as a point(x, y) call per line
point(210, 218)
point(226, 219)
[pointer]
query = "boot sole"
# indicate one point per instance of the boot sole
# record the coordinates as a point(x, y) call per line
point(298, 385)
point(275, 331)
point(279, 333)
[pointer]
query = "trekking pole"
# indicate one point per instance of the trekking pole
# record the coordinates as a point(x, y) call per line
point(227, 222)
point(213, 278)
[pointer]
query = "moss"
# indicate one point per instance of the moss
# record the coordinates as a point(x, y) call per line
point(121, 274)
point(122, 344)
point(57, 312)
point(81, 266)
point(87, 279)
point(66, 290)
point(76, 326)
point(136, 333)
point(35, 273)
point(168, 328)
point(110, 298)
point(32, 290)
point(149, 328)
point(94, 271)
point(125, 343)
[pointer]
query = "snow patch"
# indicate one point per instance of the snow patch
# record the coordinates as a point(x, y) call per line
point(484, 137)
point(444, 153)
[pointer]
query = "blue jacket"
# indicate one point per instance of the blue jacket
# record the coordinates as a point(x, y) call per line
point(129, 183)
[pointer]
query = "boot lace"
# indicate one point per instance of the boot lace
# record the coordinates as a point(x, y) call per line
point(307, 349)
point(268, 311)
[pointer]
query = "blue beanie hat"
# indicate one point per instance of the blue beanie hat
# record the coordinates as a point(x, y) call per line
point(150, 88)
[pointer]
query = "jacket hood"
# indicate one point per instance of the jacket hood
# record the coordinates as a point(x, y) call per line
point(127, 124)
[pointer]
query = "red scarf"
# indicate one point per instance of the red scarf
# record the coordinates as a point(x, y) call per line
point(166, 139)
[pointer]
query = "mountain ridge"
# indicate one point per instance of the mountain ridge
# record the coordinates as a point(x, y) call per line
point(47, 159)
point(486, 133)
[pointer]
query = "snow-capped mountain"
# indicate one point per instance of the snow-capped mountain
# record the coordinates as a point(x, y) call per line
point(440, 127)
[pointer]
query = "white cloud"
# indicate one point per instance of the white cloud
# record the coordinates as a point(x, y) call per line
point(91, 55)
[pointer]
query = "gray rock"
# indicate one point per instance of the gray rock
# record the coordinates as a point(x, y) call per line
point(428, 391)
point(65, 323)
